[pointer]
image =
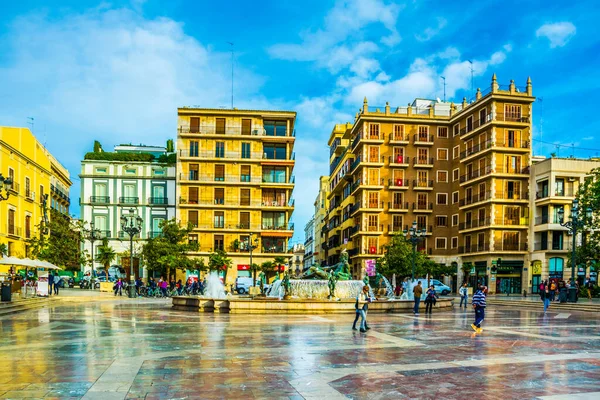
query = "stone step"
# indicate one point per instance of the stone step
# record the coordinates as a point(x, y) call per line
point(17, 306)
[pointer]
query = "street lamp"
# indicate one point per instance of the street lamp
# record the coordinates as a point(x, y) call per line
point(92, 235)
point(576, 222)
point(6, 184)
point(132, 225)
point(251, 246)
point(414, 236)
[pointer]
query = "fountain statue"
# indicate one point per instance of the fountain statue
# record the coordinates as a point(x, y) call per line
point(287, 287)
point(342, 269)
point(332, 282)
point(314, 272)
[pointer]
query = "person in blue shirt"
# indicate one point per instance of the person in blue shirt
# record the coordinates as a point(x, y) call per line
point(430, 299)
point(479, 306)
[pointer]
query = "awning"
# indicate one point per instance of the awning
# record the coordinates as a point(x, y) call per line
point(27, 262)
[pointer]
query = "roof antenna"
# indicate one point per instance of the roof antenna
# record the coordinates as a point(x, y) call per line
point(541, 99)
point(30, 122)
point(444, 78)
point(231, 43)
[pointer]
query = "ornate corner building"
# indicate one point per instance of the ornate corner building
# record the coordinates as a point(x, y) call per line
point(460, 171)
point(235, 182)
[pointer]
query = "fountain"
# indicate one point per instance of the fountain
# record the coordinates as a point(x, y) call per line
point(214, 287)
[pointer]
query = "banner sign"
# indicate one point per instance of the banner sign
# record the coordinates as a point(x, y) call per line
point(370, 267)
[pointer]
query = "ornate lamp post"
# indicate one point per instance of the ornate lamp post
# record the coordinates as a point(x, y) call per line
point(576, 222)
point(6, 185)
point(132, 225)
point(414, 236)
point(92, 235)
point(252, 244)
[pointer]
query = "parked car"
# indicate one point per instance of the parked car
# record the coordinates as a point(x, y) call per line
point(437, 285)
point(243, 284)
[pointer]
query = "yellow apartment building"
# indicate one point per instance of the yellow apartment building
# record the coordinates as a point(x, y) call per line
point(32, 169)
point(235, 182)
point(460, 171)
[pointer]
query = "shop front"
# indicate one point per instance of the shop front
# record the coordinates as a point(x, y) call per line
point(508, 277)
point(243, 271)
point(536, 276)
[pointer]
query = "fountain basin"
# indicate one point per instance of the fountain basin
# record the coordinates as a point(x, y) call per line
point(245, 305)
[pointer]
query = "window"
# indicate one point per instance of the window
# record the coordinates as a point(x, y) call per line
point(423, 133)
point(157, 171)
point(192, 238)
point(194, 169)
point(373, 176)
point(442, 198)
point(273, 220)
point(442, 132)
point(218, 242)
point(219, 149)
point(273, 197)
point(422, 222)
point(100, 170)
point(555, 267)
point(396, 223)
point(442, 176)
point(399, 155)
point(274, 175)
point(469, 123)
point(219, 196)
point(455, 152)
point(482, 116)
point(193, 195)
point(219, 219)
point(220, 126)
point(244, 197)
point(219, 172)
point(11, 222)
point(440, 243)
point(454, 242)
point(441, 220)
point(454, 219)
point(275, 128)
point(398, 132)
point(193, 218)
point(130, 171)
point(246, 126)
point(557, 240)
point(512, 112)
point(455, 197)
point(244, 220)
point(422, 201)
point(194, 124)
point(442, 154)
point(27, 188)
point(373, 199)
point(559, 188)
point(373, 223)
point(245, 173)
point(455, 130)
point(372, 244)
point(274, 151)
point(397, 200)
point(455, 174)
point(194, 148)
point(245, 150)
point(423, 155)
point(373, 131)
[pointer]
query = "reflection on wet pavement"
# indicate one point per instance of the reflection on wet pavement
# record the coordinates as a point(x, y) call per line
point(140, 349)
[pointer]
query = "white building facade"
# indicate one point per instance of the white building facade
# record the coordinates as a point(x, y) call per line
point(309, 243)
point(112, 187)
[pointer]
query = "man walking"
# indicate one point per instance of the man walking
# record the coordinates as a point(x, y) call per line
point(464, 295)
point(417, 292)
point(57, 283)
point(479, 306)
point(361, 306)
point(50, 283)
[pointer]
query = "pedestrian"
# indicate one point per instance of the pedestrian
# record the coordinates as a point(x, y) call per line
point(590, 288)
point(430, 299)
point(163, 284)
point(50, 284)
point(398, 290)
point(119, 287)
point(552, 290)
point(138, 285)
point(57, 283)
point(417, 293)
point(479, 306)
point(464, 295)
point(545, 296)
point(361, 306)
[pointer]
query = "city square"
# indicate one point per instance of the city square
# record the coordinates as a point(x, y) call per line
point(141, 349)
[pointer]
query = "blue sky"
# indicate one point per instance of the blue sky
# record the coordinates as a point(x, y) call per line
point(116, 71)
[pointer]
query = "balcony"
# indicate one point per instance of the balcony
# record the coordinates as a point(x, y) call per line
point(422, 206)
point(423, 139)
point(13, 230)
point(158, 201)
point(475, 198)
point(392, 206)
point(543, 246)
point(510, 246)
point(398, 138)
point(474, 248)
point(398, 183)
point(354, 207)
point(423, 162)
point(477, 148)
point(370, 137)
point(512, 195)
point(475, 174)
point(513, 144)
point(375, 205)
point(236, 155)
point(498, 117)
point(129, 200)
point(474, 223)
point(29, 195)
point(104, 234)
point(422, 184)
point(355, 163)
point(100, 199)
point(521, 222)
point(15, 187)
point(374, 160)
point(256, 130)
point(399, 161)
point(505, 169)
point(512, 117)
point(544, 219)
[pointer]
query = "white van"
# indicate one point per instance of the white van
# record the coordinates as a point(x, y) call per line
point(439, 287)
point(243, 284)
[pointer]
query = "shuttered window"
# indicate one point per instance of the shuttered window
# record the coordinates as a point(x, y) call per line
point(194, 124)
point(220, 126)
point(219, 196)
point(193, 217)
point(218, 239)
point(193, 195)
point(219, 172)
point(244, 197)
point(244, 220)
point(246, 126)
point(245, 175)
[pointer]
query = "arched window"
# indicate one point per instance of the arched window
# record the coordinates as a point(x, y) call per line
point(555, 267)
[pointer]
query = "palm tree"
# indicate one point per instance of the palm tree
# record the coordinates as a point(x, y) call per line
point(106, 255)
point(267, 267)
point(279, 261)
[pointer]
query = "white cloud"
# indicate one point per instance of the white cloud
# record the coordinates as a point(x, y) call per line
point(558, 33)
point(430, 32)
point(337, 45)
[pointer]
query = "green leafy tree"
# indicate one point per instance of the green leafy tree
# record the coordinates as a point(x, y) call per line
point(267, 267)
point(97, 146)
point(3, 249)
point(397, 259)
point(106, 255)
point(218, 261)
point(170, 147)
point(62, 244)
point(279, 262)
point(588, 253)
point(167, 252)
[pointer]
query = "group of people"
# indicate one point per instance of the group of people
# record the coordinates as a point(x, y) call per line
point(54, 283)
point(192, 286)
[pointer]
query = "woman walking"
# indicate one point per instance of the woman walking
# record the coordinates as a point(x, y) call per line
point(119, 287)
point(361, 306)
point(430, 299)
point(546, 298)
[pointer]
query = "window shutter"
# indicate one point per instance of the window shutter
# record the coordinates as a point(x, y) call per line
point(193, 195)
point(244, 197)
point(194, 124)
point(246, 126)
point(221, 126)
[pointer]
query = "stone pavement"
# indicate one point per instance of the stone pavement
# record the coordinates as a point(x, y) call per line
point(117, 348)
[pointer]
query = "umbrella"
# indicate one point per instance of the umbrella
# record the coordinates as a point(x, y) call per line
point(25, 262)
point(45, 264)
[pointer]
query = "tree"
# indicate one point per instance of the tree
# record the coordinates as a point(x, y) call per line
point(62, 244)
point(398, 259)
point(3, 249)
point(267, 267)
point(170, 147)
point(218, 261)
point(97, 146)
point(589, 198)
point(106, 255)
point(279, 262)
point(167, 252)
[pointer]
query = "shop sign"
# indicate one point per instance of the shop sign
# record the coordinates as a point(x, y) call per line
point(536, 268)
point(243, 267)
point(370, 267)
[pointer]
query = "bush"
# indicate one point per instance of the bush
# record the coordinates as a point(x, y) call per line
point(105, 156)
point(167, 158)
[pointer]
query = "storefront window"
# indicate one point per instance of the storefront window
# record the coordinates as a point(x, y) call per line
point(555, 267)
